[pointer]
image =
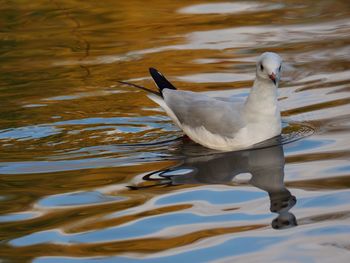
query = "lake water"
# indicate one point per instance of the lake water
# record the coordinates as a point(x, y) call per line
point(93, 171)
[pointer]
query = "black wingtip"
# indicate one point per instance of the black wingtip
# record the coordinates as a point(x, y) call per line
point(153, 71)
point(160, 80)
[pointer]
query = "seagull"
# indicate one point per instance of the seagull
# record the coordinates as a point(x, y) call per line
point(224, 123)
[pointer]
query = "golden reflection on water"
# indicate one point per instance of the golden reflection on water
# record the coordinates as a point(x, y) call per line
point(74, 144)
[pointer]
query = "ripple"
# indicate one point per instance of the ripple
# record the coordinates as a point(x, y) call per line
point(138, 229)
point(229, 8)
point(215, 77)
point(29, 132)
point(210, 196)
point(76, 199)
point(310, 144)
point(32, 167)
point(16, 217)
point(237, 246)
point(84, 95)
point(263, 36)
point(325, 200)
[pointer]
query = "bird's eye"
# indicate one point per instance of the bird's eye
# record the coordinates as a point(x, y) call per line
point(279, 69)
point(261, 67)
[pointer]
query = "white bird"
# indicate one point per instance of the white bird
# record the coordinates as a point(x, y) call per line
point(224, 123)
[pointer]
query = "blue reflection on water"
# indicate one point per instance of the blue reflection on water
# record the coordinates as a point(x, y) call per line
point(140, 228)
point(213, 197)
point(16, 217)
point(330, 230)
point(44, 130)
point(79, 198)
point(333, 199)
point(29, 132)
point(31, 167)
point(306, 145)
point(232, 247)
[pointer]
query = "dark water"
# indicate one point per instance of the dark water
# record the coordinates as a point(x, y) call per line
point(93, 171)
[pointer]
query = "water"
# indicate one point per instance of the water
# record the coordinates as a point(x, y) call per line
point(93, 171)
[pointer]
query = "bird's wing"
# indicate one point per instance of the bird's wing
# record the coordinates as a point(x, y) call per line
point(231, 99)
point(198, 110)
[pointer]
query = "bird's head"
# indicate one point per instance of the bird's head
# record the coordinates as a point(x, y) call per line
point(269, 67)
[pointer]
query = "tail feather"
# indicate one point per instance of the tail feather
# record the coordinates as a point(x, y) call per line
point(160, 80)
point(141, 87)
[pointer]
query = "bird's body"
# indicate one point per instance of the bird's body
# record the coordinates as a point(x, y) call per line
point(222, 123)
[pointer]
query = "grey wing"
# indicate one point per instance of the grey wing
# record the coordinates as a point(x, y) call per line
point(196, 110)
point(231, 99)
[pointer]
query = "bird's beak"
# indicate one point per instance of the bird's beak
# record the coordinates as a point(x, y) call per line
point(273, 77)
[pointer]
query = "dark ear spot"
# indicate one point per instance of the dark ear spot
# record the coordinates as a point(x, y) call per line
point(261, 67)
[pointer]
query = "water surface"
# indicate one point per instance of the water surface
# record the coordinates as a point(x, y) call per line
point(93, 171)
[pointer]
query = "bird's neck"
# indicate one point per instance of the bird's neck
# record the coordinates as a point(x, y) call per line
point(262, 98)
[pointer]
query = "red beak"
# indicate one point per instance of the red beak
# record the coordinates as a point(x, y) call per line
point(273, 77)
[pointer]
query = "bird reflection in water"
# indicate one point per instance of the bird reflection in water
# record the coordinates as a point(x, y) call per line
point(265, 163)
